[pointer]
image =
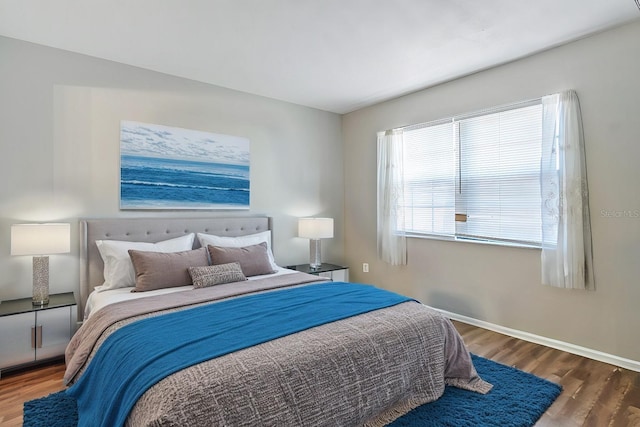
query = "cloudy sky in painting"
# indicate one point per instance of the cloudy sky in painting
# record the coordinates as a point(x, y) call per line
point(143, 139)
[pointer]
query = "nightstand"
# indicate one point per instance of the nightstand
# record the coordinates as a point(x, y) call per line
point(30, 335)
point(337, 273)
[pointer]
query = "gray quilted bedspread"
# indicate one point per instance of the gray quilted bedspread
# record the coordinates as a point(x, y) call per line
point(364, 370)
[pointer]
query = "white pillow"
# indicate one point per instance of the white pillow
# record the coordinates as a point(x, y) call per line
point(239, 242)
point(118, 268)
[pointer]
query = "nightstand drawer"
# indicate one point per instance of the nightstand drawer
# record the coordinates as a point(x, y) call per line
point(341, 275)
point(16, 339)
point(55, 329)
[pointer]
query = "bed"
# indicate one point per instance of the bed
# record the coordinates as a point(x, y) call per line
point(277, 348)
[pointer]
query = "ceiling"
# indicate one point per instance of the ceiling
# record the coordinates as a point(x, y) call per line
point(335, 55)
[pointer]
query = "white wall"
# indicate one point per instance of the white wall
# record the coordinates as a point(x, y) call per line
point(59, 151)
point(501, 285)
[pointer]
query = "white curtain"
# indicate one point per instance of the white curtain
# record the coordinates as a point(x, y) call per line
point(392, 243)
point(566, 229)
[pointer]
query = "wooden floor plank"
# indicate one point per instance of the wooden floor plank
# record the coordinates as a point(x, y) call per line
point(594, 393)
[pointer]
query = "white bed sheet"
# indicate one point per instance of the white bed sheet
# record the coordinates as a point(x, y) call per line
point(99, 298)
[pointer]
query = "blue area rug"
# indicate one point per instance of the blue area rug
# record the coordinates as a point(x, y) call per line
point(518, 399)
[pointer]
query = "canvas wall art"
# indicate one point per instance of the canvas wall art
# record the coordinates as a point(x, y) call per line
point(164, 167)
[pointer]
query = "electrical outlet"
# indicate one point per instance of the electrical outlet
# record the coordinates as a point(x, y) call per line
point(365, 267)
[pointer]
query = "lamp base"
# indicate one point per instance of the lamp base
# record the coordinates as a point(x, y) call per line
point(40, 281)
point(315, 255)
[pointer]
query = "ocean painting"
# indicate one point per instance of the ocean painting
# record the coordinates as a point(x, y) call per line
point(165, 167)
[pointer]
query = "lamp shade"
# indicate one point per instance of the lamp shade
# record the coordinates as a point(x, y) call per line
point(315, 228)
point(40, 239)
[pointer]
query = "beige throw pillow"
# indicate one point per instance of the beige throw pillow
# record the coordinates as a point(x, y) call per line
point(254, 259)
point(157, 270)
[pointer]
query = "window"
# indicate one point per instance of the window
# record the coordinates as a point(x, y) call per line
point(475, 176)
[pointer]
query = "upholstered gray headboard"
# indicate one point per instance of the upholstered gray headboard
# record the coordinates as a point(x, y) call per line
point(149, 230)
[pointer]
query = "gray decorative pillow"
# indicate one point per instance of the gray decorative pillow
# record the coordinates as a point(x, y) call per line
point(216, 274)
point(157, 270)
point(254, 259)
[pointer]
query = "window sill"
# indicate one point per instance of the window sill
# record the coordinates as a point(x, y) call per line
point(474, 241)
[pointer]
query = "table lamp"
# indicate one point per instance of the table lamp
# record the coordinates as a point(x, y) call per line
point(40, 240)
point(315, 229)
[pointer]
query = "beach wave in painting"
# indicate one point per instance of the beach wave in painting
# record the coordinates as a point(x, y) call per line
point(161, 183)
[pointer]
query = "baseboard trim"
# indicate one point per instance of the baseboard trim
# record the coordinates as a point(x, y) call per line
point(611, 359)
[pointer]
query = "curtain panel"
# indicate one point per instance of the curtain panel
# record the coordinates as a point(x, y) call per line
point(392, 242)
point(567, 260)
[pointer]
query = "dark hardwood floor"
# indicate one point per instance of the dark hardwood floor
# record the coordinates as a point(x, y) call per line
point(19, 387)
point(594, 393)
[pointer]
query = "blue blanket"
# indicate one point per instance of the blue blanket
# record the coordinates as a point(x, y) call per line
point(138, 355)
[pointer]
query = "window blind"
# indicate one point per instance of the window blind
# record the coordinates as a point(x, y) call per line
point(499, 191)
point(476, 176)
point(429, 179)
